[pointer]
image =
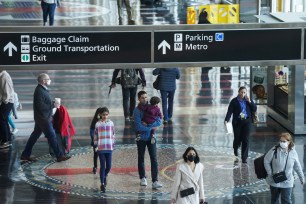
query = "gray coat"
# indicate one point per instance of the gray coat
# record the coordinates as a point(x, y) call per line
point(168, 78)
point(278, 165)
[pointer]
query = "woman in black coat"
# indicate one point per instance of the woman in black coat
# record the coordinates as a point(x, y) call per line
point(242, 108)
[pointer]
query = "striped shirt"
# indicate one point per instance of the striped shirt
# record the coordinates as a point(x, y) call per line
point(105, 135)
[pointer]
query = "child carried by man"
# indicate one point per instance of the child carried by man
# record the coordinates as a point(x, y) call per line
point(151, 112)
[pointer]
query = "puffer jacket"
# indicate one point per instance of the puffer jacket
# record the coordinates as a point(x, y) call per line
point(278, 165)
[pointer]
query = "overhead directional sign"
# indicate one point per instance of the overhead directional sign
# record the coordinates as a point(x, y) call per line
point(152, 46)
point(75, 48)
point(227, 45)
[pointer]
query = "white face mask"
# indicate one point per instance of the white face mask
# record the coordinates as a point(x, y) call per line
point(49, 82)
point(284, 145)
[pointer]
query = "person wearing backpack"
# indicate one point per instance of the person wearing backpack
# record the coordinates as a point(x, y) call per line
point(280, 166)
point(129, 79)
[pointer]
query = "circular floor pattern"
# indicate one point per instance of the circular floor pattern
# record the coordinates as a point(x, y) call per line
point(223, 176)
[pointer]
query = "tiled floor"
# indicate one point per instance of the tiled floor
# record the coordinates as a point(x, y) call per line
point(201, 101)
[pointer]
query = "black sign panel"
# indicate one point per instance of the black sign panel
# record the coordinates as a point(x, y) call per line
point(75, 48)
point(227, 45)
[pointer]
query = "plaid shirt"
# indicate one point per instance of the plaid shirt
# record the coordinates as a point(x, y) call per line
point(105, 135)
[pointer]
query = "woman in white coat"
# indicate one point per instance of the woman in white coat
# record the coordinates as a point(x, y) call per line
point(189, 174)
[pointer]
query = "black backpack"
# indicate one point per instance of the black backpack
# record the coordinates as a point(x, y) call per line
point(259, 166)
point(129, 78)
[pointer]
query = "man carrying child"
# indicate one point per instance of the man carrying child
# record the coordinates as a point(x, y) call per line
point(151, 114)
point(145, 141)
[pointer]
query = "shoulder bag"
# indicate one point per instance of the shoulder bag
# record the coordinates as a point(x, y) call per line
point(156, 82)
point(281, 176)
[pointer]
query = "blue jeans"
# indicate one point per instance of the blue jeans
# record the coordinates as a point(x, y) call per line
point(48, 10)
point(129, 101)
point(5, 133)
point(167, 103)
point(10, 121)
point(105, 165)
point(39, 128)
point(285, 194)
point(141, 149)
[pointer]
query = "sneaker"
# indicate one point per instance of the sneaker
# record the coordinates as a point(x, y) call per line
point(14, 132)
point(143, 182)
point(102, 188)
point(5, 145)
point(62, 158)
point(156, 185)
point(165, 121)
point(131, 117)
point(127, 119)
point(94, 170)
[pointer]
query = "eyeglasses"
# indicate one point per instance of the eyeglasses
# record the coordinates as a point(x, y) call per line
point(283, 141)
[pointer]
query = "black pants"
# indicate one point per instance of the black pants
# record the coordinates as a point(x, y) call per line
point(5, 133)
point(95, 158)
point(129, 100)
point(242, 130)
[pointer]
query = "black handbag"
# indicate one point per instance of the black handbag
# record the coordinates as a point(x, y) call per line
point(187, 192)
point(156, 82)
point(281, 176)
point(255, 118)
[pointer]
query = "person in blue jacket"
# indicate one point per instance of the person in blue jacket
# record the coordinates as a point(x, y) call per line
point(167, 87)
point(145, 141)
point(242, 108)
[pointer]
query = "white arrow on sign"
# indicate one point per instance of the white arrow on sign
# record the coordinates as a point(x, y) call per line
point(164, 45)
point(10, 46)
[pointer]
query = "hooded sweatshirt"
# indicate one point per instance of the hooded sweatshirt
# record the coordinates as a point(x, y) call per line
point(6, 88)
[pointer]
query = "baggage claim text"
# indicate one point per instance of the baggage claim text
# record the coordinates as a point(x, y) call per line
point(42, 45)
